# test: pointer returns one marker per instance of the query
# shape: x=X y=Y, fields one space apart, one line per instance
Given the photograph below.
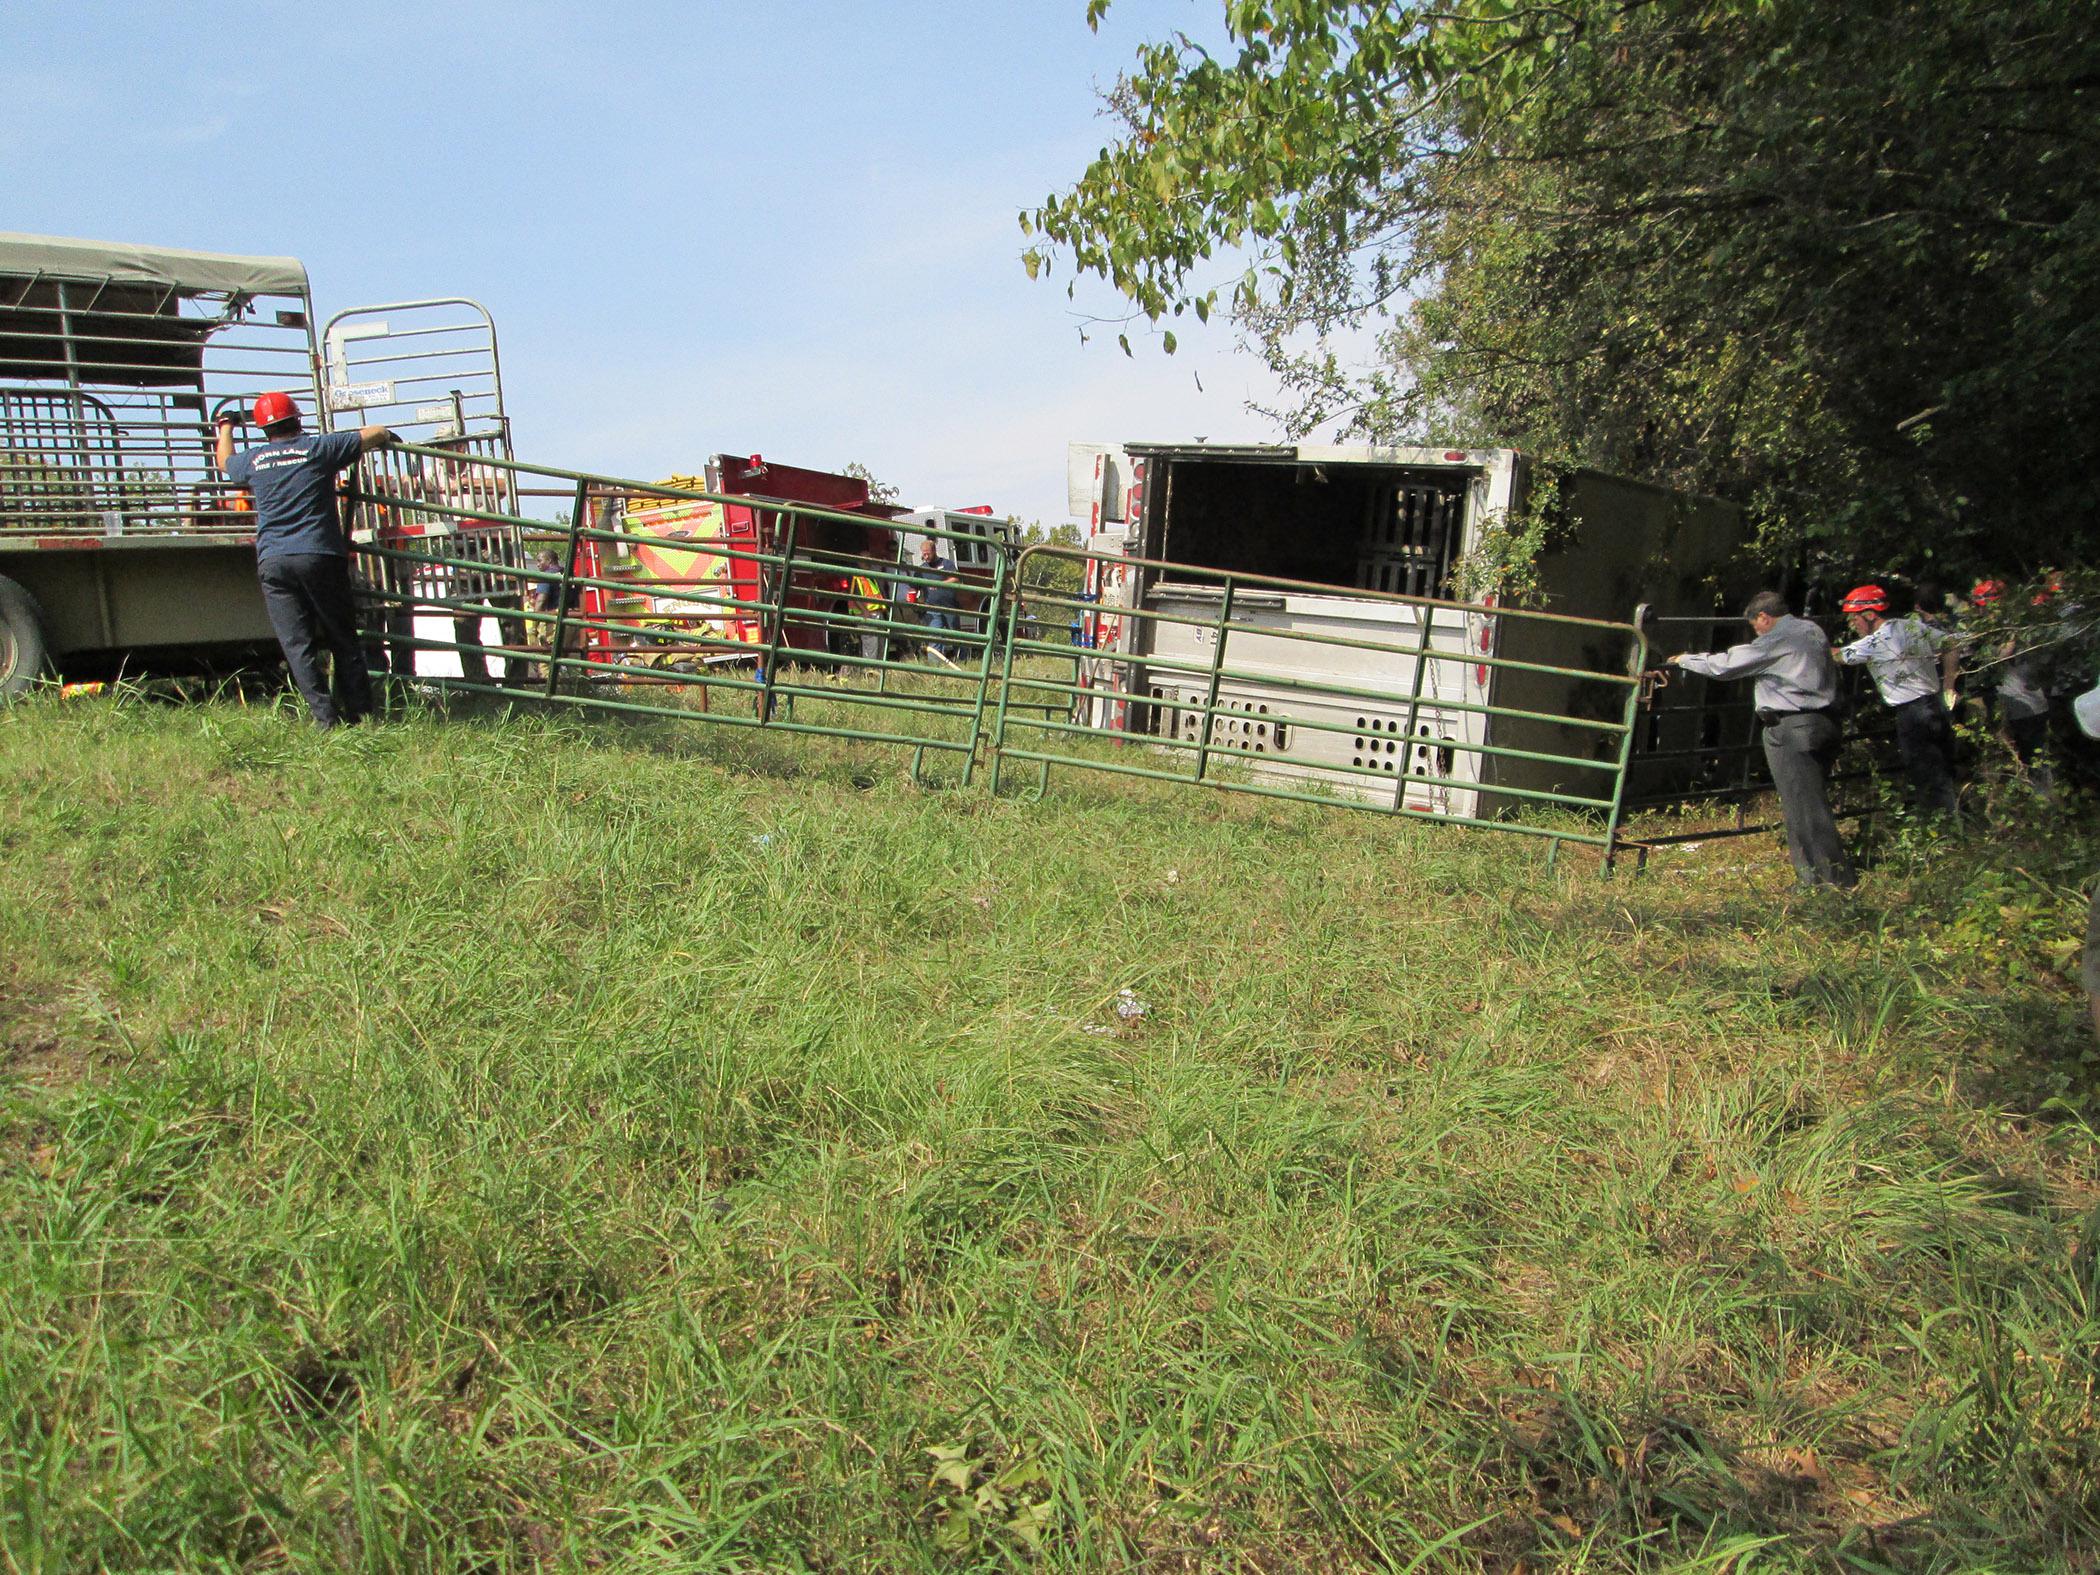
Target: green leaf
x=955 y=1532
x=1027 y=1472
x=951 y=1465
x=1030 y=1521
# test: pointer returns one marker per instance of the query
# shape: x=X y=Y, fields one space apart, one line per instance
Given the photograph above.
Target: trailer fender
x=25 y=653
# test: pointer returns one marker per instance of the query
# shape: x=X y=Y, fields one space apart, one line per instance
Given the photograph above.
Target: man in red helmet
x=301 y=555
x=1904 y=657
x=2020 y=702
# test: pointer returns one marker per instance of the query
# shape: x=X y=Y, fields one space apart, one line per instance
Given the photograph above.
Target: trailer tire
x=25 y=655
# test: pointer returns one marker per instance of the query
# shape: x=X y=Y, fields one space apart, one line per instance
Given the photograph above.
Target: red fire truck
x=687 y=581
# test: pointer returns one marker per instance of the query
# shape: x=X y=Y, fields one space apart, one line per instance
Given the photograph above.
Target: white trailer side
x=1393 y=520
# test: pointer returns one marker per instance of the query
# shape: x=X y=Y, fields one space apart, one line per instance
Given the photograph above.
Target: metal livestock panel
x=1254 y=684
x=731 y=636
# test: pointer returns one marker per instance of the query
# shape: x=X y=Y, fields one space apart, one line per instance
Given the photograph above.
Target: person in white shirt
x=2017 y=697
x=1904 y=657
x=2086 y=709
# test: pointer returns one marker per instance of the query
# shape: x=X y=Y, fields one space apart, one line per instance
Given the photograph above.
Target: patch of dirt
x=321 y=1384
x=35 y=1045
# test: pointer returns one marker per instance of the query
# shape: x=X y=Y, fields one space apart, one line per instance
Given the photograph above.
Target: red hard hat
x=1984 y=592
x=273 y=407
x=1865 y=598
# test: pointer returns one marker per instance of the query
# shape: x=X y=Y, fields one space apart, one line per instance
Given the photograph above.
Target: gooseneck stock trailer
x=121 y=548
x=118 y=545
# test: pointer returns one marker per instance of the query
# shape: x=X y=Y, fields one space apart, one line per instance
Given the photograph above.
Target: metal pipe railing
x=1514 y=719
x=1396 y=685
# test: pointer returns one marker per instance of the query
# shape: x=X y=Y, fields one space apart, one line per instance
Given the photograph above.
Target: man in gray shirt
x=1796 y=691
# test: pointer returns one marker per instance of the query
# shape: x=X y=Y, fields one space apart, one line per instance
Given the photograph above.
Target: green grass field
x=520 y=1143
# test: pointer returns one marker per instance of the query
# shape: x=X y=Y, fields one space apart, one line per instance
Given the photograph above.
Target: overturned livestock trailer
x=1296 y=614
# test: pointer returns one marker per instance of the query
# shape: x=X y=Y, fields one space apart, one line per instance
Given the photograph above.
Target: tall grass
x=521 y=1143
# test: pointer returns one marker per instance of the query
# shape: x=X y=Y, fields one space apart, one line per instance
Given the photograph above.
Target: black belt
x=1768 y=717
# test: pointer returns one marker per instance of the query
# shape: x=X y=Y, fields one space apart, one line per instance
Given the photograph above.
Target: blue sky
x=777 y=228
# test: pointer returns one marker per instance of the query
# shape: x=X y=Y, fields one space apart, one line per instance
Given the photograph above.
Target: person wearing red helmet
x=302 y=557
x=1904 y=657
x=1795 y=695
x=2017 y=696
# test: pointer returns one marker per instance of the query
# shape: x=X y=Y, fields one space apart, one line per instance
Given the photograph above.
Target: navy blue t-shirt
x=940 y=596
x=293 y=484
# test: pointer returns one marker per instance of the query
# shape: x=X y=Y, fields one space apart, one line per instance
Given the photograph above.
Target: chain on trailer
x=651 y=599
x=111 y=381
x=1467 y=714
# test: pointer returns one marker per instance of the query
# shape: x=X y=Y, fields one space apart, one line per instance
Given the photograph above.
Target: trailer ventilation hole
x=1247 y=728
x=1379 y=738
x=1433 y=757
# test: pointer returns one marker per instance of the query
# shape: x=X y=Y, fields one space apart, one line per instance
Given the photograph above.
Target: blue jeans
x=937 y=620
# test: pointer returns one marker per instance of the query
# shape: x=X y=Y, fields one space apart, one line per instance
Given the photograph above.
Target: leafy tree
x=879 y=491
x=1053 y=574
x=1842 y=264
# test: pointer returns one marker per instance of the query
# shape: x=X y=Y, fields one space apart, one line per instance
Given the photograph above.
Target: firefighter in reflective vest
x=869 y=601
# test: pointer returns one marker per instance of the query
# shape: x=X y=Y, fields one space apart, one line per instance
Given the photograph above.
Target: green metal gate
x=487 y=575
x=1476 y=715
x=640 y=598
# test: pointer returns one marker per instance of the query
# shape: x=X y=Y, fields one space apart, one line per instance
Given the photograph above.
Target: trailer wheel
x=24 y=653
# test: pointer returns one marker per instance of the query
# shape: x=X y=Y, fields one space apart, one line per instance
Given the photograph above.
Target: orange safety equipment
x=274 y=407
x=1865 y=598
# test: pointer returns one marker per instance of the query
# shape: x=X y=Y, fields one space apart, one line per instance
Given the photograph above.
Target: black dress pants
x=1925 y=739
x=308 y=598
x=1800 y=749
